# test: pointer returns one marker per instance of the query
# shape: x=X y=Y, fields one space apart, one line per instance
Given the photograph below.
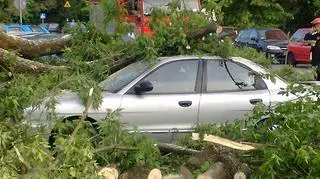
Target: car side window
x=174 y=77
x=226 y=76
x=253 y=34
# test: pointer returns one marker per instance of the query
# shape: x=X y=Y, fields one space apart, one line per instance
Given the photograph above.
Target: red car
x=298 y=52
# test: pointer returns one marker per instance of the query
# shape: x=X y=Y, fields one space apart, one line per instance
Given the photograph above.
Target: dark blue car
x=272 y=42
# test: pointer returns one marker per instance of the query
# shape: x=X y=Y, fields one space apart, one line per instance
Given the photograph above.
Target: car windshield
x=185 y=5
x=274 y=34
x=123 y=77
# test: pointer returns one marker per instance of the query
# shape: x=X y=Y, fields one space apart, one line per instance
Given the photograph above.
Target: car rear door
x=173 y=104
x=230 y=90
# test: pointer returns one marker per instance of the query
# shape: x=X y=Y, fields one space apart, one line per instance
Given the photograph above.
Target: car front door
x=301 y=52
x=173 y=103
x=230 y=91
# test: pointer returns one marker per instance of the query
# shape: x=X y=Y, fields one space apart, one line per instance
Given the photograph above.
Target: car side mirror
x=144 y=86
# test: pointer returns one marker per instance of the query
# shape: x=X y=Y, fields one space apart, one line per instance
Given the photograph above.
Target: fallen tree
x=33 y=48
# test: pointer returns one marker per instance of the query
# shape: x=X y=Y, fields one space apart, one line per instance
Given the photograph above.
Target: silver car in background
x=176 y=93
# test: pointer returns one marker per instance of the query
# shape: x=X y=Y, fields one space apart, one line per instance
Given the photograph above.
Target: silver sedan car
x=176 y=93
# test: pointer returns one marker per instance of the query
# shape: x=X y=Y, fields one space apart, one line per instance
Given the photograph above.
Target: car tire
x=54 y=131
x=291 y=60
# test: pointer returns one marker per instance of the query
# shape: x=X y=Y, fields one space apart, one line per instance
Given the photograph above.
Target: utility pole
x=20 y=11
x=20 y=5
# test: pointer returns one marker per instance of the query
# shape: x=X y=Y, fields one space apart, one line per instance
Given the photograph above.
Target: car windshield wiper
x=239 y=84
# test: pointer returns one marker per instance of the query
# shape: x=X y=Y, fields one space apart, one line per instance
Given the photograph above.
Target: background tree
x=255 y=13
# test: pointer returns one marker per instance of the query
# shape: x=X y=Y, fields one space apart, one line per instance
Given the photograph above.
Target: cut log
x=173 y=177
x=33 y=48
x=165 y=147
x=136 y=172
x=224 y=142
x=155 y=174
x=217 y=171
x=185 y=172
x=213 y=27
x=109 y=173
x=240 y=175
x=14 y=63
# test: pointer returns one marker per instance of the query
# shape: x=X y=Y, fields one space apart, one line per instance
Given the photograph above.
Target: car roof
x=261 y=29
x=304 y=29
x=244 y=61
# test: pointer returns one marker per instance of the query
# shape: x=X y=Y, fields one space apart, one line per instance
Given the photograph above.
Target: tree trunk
x=14 y=63
x=33 y=48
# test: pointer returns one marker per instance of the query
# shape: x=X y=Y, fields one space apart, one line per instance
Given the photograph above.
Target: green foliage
x=145 y=153
x=25 y=152
x=295 y=75
x=288 y=151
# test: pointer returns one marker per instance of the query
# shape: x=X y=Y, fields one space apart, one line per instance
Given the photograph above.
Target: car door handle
x=185 y=103
x=255 y=101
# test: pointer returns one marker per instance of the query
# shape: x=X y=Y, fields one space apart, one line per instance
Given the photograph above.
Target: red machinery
x=139 y=11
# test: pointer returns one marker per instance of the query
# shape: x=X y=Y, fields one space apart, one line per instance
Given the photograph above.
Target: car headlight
x=272 y=47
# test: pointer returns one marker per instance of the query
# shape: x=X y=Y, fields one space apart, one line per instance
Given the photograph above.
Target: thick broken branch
x=210 y=28
x=176 y=149
x=33 y=48
x=12 y=62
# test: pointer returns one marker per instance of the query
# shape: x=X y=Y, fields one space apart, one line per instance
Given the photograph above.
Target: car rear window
x=274 y=34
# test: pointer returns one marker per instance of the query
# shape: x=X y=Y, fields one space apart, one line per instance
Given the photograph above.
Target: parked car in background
x=22 y=31
x=51 y=27
x=13 y=29
x=298 y=52
x=174 y=94
x=272 y=42
x=229 y=31
x=69 y=26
